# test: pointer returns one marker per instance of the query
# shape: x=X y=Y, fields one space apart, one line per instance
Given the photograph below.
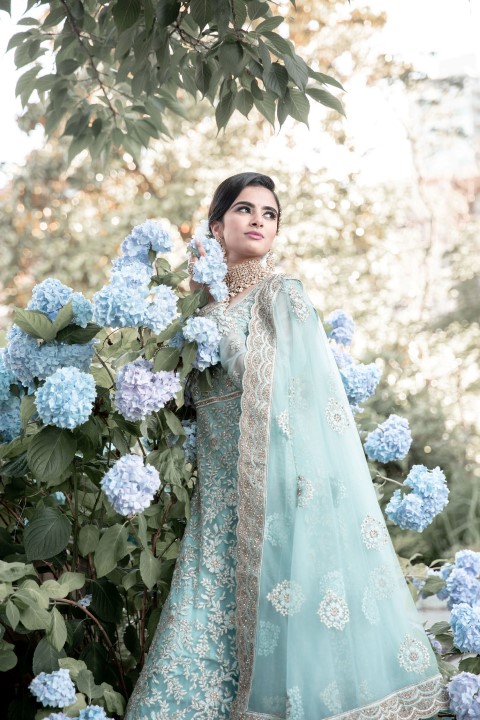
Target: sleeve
x=232 y=355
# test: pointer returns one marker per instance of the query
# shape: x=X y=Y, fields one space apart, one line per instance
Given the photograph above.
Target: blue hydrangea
x=82 y=309
x=416 y=510
x=444 y=573
x=360 y=382
x=59 y=497
x=342 y=358
x=130 y=271
x=29 y=358
x=206 y=334
x=140 y=391
x=66 y=399
x=190 y=442
x=130 y=485
x=342 y=327
x=54 y=689
x=464 y=693
x=57 y=716
x=391 y=440
x=121 y=303
x=7 y=378
x=162 y=310
x=177 y=341
x=150 y=235
x=211 y=268
x=409 y=512
x=85 y=601
x=92 y=712
x=462 y=587
x=10 y=423
x=49 y=297
x=429 y=484
x=465 y=622
x=469 y=560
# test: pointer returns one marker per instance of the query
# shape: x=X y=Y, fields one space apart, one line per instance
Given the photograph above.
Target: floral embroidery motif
x=370 y=607
x=331 y=697
x=268 y=637
x=413 y=655
x=300 y=307
x=382 y=581
x=333 y=611
x=333 y=581
x=373 y=532
x=294 y=704
x=283 y=423
x=287 y=597
x=235 y=343
x=275 y=530
x=336 y=415
x=305 y=491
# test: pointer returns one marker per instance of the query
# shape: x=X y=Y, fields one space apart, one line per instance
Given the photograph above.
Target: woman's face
x=249 y=225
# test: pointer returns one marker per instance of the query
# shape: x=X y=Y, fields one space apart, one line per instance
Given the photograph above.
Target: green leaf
x=88 y=538
x=57 y=632
x=326 y=98
x=13 y=614
x=277 y=44
x=167 y=358
x=46 y=658
x=132 y=643
x=167 y=12
x=244 y=102
x=324 y=79
x=200 y=11
x=299 y=105
x=188 y=304
x=470 y=664
x=257 y=9
x=72 y=581
x=6 y=6
x=297 y=70
x=11 y=571
x=203 y=75
x=8 y=659
x=230 y=56
x=35 y=618
x=18 y=39
x=34 y=323
x=26 y=84
x=224 y=110
x=276 y=79
x=114 y=701
x=107 y=602
x=126 y=13
x=73 y=666
x=47 y=534
x=50 y=452
x=86 y=684
x=27 y=409
x=112 y=547
x=173 y=422
x=63 y=318
x=266 y=106
x=239 y=12
x=189 y=353
x=270 y=23
x=150 y=568
x=54 y=590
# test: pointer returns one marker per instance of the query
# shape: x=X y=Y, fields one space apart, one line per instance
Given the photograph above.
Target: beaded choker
x=248 y=273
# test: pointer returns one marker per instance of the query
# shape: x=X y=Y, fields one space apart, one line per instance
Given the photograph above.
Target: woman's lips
x=255 y=235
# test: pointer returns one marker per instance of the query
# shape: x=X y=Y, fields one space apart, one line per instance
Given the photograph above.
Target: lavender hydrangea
x=54 y=689
x=468 y=560
x=464 y=693
x=462 y=587
x=7 y=378
x=66 y=399
x=207 y=336
x=130 y=485
x=211 y=268
x=10 y=423
x=92 y=712
x=121 y=303
x=342 y=327
x=465 y=622
x=162 y=310
x=360 y=382
x=429 y=496
x=140 y=391
x=28 y=358
x=150 y=235
x=391 y=440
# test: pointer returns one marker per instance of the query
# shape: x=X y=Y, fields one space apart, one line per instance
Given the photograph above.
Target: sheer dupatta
x=326 y=627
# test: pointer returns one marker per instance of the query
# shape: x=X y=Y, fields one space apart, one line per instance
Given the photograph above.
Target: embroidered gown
x=287 y=600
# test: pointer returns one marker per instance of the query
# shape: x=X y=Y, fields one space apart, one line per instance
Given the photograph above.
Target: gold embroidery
x=300 y=307
x=218 y=398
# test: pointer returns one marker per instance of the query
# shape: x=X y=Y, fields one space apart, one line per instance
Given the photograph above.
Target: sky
x=439 y=36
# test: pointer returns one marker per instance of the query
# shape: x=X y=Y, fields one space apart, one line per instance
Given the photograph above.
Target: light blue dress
x=287 y=601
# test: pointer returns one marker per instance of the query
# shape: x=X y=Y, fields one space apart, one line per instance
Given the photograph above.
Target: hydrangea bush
x=97 y=459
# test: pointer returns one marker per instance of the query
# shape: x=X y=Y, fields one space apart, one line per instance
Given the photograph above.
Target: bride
x=287 y=599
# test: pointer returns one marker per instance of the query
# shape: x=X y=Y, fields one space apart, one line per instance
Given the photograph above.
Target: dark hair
x=230 y=188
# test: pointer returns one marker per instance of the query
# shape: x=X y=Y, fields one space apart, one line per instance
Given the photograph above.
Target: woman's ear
x=215 y=227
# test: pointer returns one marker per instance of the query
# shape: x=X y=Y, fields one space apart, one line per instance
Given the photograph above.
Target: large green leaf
x=45 y=657
x=57 y=632
x=50 y=452
x=150 y=568
x=73 y=334
x=107 y=602
x=85 y=683
x=88 y=539
x=34 y=323
x=167 y=12
x=47 y=534
x=166 y=359
x=112 y=547
x=126 y=13
x=326 y=98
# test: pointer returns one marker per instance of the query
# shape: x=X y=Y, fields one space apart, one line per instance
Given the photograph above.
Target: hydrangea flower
x=429 y=496
x=131 y=271
x=54 y=689
x=408 y=512
x=464 y=692
x=130 y=485
x=82 y=309
x=211 y=268
x=121 y=303
x=28 y=358
x=10 y=423
x=49 y=297
x=85 y=601
x=465 y=622
x=444 y=573
x=140 y=391
x=189 y=444
x=342 y=327
x=59 y=497
x=7 y=378
x=207 y=336
x=92 y=712
x=360 y=382
x=177 y=341
x=462 y=587
x=391 y=440
x=342 y=359
x=57 y=716
x=469 y=560
x=66 y=399
x=162 y=310
x=150 y=235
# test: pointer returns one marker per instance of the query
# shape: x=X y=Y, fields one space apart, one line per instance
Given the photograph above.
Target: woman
x=287 y=599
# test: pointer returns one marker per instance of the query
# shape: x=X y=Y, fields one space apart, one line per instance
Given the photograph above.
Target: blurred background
x=381 y=214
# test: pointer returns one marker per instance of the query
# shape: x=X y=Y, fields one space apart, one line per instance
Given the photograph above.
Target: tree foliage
x=121 y=69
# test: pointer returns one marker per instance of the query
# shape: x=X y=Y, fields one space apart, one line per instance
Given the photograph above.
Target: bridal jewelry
x=248 y=273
